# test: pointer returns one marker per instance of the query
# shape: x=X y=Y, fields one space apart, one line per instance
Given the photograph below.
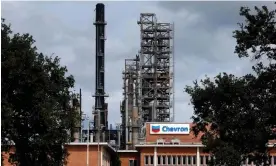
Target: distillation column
x=76 y=104
x=135 y=111
x=130 y=110
x=100 y=112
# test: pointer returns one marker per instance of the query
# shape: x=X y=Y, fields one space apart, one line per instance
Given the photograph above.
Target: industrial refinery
x=147 y=134
x=147 y=84
x=148 y=81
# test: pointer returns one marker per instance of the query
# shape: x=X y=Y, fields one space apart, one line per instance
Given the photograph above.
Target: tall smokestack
x=100 y=119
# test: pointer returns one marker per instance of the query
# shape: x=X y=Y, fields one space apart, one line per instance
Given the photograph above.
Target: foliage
x=115 y=160
x=258 y=31
x=259 y=35
x=36 y=110
x=237 y=114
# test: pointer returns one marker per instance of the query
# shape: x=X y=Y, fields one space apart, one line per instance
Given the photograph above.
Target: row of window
x=187 y=160
x=176 y=160
x=272 y=161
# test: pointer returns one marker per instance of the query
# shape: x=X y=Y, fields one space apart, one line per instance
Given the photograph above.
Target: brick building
x=83 y=154
x=170 y=144
x=166 y=144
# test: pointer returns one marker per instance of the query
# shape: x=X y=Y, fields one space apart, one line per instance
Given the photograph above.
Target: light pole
x=85 y=117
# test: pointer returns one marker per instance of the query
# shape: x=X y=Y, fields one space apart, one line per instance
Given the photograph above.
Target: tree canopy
x=37 y=114
x=237 y=114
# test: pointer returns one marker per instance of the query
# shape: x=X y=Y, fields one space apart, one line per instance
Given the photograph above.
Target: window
x=184 y=159
x=201 y=160
x=158 y=159
x=178 y=160
x=189 y=159
x=132 y=162
x=173 y=160
x=169 y=159
x=163 y=159
x=146 y=159
x=194 y=160
x=151 y=160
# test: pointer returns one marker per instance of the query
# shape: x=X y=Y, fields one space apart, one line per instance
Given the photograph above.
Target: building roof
x=127 y=151
x=191 y=145
x=105 y=144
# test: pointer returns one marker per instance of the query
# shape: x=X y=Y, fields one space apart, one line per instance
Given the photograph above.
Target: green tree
x=36 y=112
x=237 y=114
x=115 y=160
x=259 y=36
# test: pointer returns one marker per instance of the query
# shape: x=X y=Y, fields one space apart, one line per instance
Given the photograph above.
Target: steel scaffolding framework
x=155 y=65
x=148 y=79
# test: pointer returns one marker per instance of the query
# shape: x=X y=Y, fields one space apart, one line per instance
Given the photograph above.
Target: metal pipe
x=81 y=133
x=99 y=131
x=87 y=153
x=173 y=79
x=134 y=126
x=126 y=113
x=119 y=135
x=80 y=117
x=98 y=153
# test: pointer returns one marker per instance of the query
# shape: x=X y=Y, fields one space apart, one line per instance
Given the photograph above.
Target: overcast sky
x=203 y=41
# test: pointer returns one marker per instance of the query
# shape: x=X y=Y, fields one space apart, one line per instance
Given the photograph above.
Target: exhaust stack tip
x=100 y=12
x=99 y=5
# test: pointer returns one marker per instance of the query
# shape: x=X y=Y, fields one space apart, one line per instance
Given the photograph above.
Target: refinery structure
x=100 y=109
x=147 y=134
x=148 y=90
x=148 y=81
